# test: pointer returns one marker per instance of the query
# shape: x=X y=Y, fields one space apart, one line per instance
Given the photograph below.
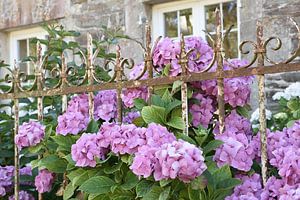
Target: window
x=193 y=16
x=21 y=47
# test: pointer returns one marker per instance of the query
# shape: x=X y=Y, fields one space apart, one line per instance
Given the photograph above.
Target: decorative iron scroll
x=16 y=80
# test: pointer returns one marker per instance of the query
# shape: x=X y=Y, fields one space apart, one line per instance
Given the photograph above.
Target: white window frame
x=15 y=36
x=198 y=20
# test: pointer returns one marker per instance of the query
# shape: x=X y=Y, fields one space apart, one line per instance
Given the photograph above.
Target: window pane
x=230 y=14
x=22 y=49
x=186 y=27
x=171 y=24
x=210 y=18
x=231 y=45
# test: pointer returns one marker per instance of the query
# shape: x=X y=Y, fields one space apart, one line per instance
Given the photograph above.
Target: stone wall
x=274 y=16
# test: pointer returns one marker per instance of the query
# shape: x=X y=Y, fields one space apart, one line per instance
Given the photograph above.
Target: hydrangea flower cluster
x=179 y=159
x=283 y=152
x=6 y=177
x=155 y=148
x=202 y=111
x=129 y=94
x=76 y=118
x=71 y=123
x=276 y=189
x=167 y=53
x=44 y=180
x=30 y=134
x=86 y=149
x=167 y=158
x=237 y=150
x=23 y=195
x=106 y=105
x=236 y=90
x=250 y=189
x=130 y=117
x=289 y=92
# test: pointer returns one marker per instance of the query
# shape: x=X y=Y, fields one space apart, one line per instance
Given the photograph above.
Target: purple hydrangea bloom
x=128 y=139
x=157 y=135
x=23 y=195
x=30 y=134
x=137 y=71
x=79 y=103
x=6 y=174
x=202 y=111
x=106 y=105
x=283 y=152
x=44 y=181
x=129 y=94
x=144 y=161
x=236 y=90
x=86 y=149
x=237 y=150
x=71 y=123
x=272 y=189
x=179 y=159
x=131 y=116
x=106 y=133
x=166 y=53
x=201 y=57
x=249 y=189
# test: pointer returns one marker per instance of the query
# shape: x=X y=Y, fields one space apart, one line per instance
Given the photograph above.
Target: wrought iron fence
x=90 y=83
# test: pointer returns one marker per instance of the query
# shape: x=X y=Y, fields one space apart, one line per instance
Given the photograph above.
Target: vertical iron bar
x=261 y=99
x=16 y=129
x=184 y=89
x=38 y=71
x=90 y=68
x=118 y=72
x=148 y=60
x=220 y=81
x=64 y=81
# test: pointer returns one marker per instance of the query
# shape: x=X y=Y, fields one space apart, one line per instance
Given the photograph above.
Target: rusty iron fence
x=89 y=82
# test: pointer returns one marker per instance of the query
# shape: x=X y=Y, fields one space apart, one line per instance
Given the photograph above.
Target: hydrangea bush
x=148 y=157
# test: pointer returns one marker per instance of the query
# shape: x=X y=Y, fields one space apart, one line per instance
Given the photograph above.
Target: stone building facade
x=89 y=15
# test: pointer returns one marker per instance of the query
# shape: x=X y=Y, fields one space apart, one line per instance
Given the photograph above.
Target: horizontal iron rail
x=277 y=68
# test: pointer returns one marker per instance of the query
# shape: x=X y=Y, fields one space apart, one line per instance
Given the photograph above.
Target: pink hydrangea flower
x=180 y=160
x=130 y=117
x=157 y=135
x=166 y=53
x=237 y=150
x=106 y=105
x=272 y=189
x=129 y=94
x=86 y=149
x=44 y=180
x=30 y=134
x=23 y=195
x=128 y=139
x=201 y=57
x=202 y=112
x=79 y=103
x=71 y=123
x=144 y=161
x=249 y=189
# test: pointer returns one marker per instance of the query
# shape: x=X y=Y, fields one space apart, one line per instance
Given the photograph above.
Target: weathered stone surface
x=15 y=13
